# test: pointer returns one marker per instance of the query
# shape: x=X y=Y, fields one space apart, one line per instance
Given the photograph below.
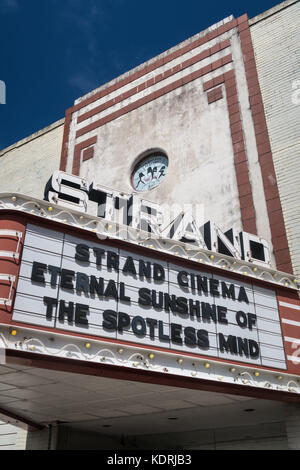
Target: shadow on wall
x=268 y=436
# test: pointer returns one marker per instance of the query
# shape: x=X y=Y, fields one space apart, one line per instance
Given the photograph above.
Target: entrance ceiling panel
x=116 y=406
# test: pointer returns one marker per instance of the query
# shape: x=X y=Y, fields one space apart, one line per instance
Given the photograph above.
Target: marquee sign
x=65 y=293
x=74 y=192
x=71 y=284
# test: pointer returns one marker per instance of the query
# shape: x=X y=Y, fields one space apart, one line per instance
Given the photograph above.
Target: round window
x=150 y=172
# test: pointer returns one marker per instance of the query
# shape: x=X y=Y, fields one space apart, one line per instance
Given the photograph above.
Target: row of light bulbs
x=180 y=361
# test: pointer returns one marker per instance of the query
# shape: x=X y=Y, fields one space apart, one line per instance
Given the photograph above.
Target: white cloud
x=86 y=17
x=82 y=82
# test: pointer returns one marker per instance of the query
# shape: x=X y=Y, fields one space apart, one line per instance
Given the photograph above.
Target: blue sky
x=53 y=51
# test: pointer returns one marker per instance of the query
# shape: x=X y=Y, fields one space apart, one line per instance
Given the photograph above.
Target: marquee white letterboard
x=245 y=330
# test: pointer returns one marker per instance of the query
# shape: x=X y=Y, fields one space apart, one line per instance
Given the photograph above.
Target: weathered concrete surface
x=195 y=136
x=197 y=140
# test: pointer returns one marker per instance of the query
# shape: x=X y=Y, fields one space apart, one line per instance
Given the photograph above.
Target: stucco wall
x=201 y=168
x=196 y=135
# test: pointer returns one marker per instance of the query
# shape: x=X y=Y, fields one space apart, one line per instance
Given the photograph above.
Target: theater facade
x=149 y=255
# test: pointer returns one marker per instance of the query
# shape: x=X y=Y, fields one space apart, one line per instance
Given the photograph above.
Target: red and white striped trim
x=289 y=305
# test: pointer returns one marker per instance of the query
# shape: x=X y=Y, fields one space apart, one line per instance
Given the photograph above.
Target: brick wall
x=276 y=40
x=27 y=165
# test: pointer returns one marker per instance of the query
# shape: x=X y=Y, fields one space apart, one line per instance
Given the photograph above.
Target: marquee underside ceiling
x=116 y=407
